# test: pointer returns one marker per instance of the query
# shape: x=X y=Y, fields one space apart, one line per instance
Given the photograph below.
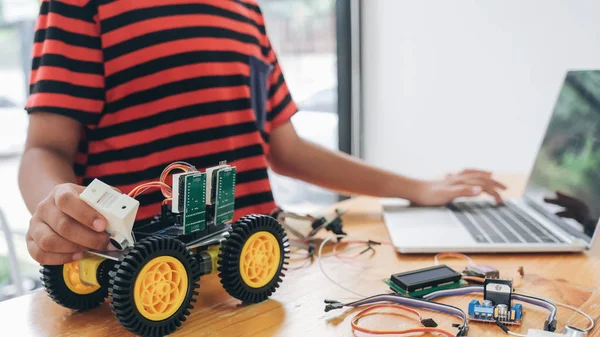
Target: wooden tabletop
x=296 y=309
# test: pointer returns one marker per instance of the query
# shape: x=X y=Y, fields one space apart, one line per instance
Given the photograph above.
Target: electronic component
x=496 y=304
x=424 y=278
x=482 y=270
x=429 y=323
x=225 y=194
x=211 y=182
x=425 y=291
x=498 y=291
x=549 y=324
x=118 y=209
x=179 y=192
x=299 y=224
x=501 y=311
x=332 y=223
x=191 y=237
x=483 y=312
x=194 y=211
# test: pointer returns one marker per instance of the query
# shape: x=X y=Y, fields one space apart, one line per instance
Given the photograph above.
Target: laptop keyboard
x=490 y=223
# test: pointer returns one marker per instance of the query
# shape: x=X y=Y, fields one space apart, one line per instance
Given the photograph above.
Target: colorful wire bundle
x=404 y=309
x=146 y=186
x=406 y=301
x=178 y=165
x=164 y=187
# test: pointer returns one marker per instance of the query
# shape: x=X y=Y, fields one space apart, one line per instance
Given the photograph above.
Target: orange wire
x=143 y=187
x=146 y=185
x=474 y=279
x=163 y=176
x=364 y=312
x=436 y=259
x=164 y=187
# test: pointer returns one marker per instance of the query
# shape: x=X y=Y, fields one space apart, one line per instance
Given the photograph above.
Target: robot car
x=151 y=281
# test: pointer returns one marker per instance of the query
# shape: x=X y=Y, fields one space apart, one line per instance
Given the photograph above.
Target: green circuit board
x=225 y=198
x=194 y=212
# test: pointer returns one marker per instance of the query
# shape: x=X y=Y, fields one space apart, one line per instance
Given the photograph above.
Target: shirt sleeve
x=67 y=75
x=280 y=105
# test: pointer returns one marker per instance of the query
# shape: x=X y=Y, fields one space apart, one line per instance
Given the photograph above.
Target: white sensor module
x=118 y=209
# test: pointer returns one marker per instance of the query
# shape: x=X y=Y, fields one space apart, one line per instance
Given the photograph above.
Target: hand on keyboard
x=468 y=183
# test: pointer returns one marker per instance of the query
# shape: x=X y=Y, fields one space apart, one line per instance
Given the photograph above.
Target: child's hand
x=468 y=183
x=63 y=226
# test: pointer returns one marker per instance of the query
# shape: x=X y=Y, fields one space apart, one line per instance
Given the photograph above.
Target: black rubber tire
x=123 y=277
x=54 y=284
x=231 y=249
x=103 y=274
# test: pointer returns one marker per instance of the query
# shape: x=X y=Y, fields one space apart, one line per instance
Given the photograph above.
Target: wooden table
x=296 y=309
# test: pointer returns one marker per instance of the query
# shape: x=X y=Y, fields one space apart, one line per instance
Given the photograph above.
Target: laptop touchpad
x=425 y=227
x=420 y=217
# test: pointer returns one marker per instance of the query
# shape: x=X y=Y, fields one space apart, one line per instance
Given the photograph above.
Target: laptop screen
x=565 y=181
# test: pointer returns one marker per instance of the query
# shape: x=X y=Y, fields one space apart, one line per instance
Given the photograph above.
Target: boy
x=120 y=89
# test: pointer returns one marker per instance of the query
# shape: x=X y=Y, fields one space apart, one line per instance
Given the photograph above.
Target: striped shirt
x=157 y=81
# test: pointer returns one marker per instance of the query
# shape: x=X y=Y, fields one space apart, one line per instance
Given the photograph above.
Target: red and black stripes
x=75 y=9
x=157 y=81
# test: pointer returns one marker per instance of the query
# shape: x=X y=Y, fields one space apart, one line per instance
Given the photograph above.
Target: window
x=17 y=20
x=303 y=35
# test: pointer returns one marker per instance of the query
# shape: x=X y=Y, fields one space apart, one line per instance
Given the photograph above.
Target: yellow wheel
x=260 y=259
x=160 y=288
x=252 y=258
x=64 y=286
x=152 y=286
x=73 y=281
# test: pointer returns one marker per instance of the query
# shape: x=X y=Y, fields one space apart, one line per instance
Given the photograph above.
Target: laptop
x=559 y=209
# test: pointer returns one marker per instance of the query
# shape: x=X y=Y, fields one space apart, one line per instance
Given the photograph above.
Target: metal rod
x=15 y=272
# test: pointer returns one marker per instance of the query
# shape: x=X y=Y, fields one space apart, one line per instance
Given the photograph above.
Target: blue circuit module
x=488 y=312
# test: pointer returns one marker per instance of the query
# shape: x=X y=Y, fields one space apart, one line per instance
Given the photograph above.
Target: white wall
x=451 y=84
